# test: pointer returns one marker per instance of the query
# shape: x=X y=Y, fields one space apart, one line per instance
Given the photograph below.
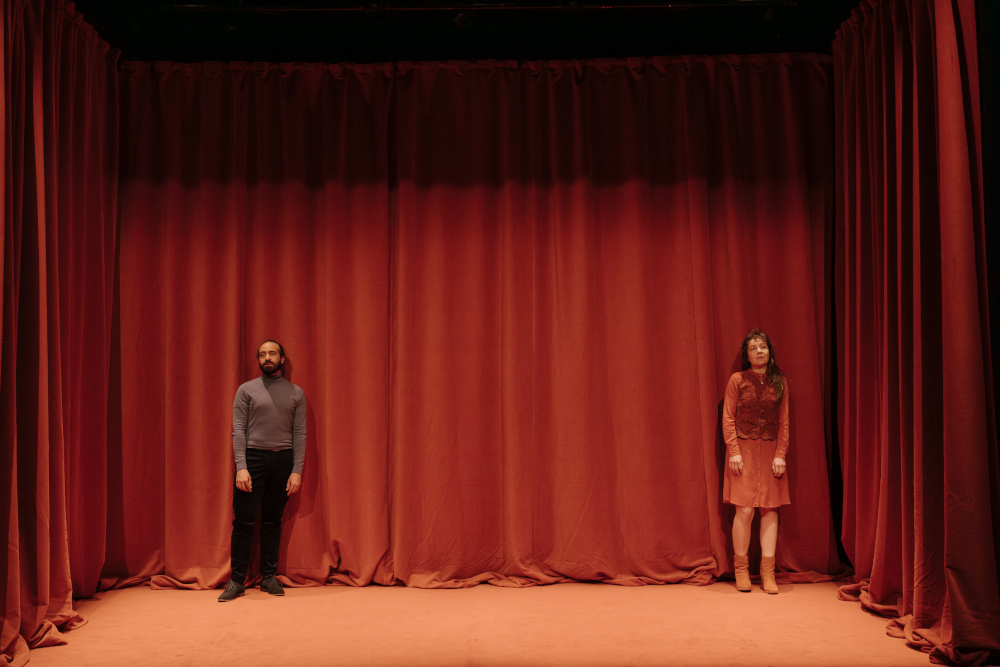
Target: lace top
x=751 y=411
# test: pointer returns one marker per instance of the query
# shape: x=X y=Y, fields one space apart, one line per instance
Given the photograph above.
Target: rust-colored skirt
x=757 y=486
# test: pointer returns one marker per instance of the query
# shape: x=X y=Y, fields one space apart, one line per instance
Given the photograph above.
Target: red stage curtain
x=513 y=294
x=921 y=494
x=255 y=204
x=60 y=181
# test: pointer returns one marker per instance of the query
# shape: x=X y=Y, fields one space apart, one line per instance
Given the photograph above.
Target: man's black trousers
x=269 y=471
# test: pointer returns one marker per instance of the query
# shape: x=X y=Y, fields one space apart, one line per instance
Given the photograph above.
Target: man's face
x=269 y=357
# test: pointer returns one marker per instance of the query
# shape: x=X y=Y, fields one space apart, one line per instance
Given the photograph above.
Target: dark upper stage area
x=386 y=30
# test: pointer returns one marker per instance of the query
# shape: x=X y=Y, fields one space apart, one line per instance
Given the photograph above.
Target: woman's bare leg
x=741 y=530
x=768 y=531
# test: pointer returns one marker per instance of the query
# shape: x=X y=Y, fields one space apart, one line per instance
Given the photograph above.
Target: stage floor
x=564 y=624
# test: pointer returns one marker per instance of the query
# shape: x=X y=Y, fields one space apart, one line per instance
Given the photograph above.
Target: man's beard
x=270 y=370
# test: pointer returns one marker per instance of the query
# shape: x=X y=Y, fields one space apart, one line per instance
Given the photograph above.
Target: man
x=269 y=443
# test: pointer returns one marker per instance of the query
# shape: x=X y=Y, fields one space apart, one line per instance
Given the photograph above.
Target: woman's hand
x=736 y=464
x=778 y=467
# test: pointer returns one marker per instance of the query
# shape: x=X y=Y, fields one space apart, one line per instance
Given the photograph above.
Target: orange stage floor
x=564 y=624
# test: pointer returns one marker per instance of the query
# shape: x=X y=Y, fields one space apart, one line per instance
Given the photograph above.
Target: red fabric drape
x=254 y=205
x=512 y=293
x=921 y=495
x=580 y=249
x=60 y=181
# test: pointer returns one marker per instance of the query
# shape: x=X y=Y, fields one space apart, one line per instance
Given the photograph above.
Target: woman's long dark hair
x=773 y=373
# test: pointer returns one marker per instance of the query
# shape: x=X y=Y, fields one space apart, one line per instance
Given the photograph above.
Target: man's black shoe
x=233 y=591
x=271 y=585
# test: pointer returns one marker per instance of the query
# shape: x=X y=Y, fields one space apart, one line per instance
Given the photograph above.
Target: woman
x=755 y=426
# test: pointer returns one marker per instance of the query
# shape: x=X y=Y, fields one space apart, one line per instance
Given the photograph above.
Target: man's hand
x=243 y=480
x=294 y=482
x=736 y=464
x=778 y=467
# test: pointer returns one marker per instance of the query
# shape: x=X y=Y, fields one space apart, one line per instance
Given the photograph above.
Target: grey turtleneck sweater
x=269 y=413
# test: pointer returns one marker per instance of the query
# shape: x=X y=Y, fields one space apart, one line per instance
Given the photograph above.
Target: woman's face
x=757 y=353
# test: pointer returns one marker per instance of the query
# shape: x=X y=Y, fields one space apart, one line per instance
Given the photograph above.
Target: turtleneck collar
x=271 y=379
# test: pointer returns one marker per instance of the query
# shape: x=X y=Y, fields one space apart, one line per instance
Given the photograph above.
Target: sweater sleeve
x=241 y=409
x=299 y=433
x=782 y=447
x=729 y=415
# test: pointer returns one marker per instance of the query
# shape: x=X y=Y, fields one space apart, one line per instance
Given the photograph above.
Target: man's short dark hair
x=281 y=350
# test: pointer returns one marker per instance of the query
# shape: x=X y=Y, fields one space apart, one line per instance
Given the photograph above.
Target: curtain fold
x=918 y=431
x=60 y=192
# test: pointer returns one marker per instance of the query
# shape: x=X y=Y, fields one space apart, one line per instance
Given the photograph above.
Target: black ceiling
x=383 y=30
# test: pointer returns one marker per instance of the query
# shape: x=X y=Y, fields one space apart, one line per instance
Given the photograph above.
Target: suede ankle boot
x=741 y=567
x=767 y=582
